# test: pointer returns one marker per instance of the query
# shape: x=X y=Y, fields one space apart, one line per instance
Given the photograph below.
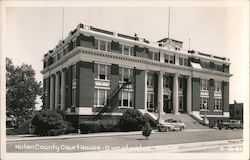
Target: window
x=100 y=97
x=204 y=85
x=102 y=71
x=150 y=80
x=203 y=103
x=74 y=43
x=127 y=50
x=125 y=74
x=126 y=99
x=59 y=55
x=217 y=104
x=73 y=96
x=166 y=82
x=150 y=101
x=169 y=58
x=181 y=103
x=217 y=86
x=66 y=50
x=180 y=84
x=183 y=61
x=74 y=72
x=154 y=55
x=102 y=45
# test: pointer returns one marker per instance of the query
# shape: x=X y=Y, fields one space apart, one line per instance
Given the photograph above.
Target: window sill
x=217 y=110
x=203 y=110
x=95 y=106
x=104 y=80
x=122 y=107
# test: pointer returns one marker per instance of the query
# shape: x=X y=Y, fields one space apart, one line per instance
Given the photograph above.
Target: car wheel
x=181 y=128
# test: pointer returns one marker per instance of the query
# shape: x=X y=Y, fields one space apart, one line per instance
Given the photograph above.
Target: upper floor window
x=126 y=74
x=59 y=55
x=204 y=85
x=74 y=72
x=180 y=84
x=102 y=71
x=217 y=86
x=166 y=82
x=127 y=50
x=183 y=61
x=66 y=49
x=74 y=42
x=154 y=55
x=169 y=58
x=150 y=80
x=102 y=45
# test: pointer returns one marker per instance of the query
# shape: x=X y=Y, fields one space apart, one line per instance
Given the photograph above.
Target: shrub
x=89 y=127
x=132 y=120
x=146 y=130
x=98 y=126
x=48 y=123
x=70 y=128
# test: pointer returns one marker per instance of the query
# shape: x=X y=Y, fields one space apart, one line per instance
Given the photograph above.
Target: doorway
x=167 y=108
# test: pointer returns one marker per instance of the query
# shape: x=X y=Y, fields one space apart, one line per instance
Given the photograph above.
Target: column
x=63 y=84
x=160 y=92
x=52 y=97
x=146 y=90
x=175 y=94
x=189 y=95
x=57 y=90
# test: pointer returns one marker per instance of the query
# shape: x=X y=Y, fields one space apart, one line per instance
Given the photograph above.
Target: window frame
x=97 y=96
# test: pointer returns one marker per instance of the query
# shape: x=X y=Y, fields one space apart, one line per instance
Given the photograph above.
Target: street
x=120 y=142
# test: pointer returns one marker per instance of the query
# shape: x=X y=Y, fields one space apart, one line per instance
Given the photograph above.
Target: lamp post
x=205 y=113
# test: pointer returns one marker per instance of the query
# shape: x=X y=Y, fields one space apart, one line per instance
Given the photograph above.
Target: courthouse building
x=85 y=69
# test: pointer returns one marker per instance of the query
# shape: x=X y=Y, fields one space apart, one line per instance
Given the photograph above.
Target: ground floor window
x=203 y=103
x=150 y=102
x=126 y=99
x=217 y=104
x=181 y=103
x=100 y=97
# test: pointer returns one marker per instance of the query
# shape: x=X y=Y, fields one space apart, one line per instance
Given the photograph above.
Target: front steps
x=187 y=119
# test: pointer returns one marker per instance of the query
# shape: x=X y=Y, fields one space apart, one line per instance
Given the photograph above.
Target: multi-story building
x=84 y=71
x=236 y=111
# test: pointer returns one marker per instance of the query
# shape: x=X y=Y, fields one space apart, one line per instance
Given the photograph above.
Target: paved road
x=119 y=142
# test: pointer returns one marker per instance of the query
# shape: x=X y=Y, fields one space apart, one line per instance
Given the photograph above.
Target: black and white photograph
x=125 y=80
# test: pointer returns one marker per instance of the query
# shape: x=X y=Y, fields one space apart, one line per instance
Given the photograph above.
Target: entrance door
x=166 y=104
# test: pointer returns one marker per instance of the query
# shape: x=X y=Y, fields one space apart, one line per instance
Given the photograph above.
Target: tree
x=146 y=130
x=21 y=90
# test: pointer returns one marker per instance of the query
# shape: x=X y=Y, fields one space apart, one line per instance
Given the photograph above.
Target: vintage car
x=231 y=124
x=170 y=125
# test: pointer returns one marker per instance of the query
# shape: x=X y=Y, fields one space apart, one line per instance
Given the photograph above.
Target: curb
x=178 y=148
x=107 y=134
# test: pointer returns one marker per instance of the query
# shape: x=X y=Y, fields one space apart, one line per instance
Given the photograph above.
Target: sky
x=217 y=30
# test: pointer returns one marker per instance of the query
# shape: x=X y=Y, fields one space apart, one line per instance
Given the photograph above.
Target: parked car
x=231 y=124
x=170 y=125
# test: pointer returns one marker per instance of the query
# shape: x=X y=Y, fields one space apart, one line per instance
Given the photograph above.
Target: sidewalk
x=29 y=137
x=177 y=148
